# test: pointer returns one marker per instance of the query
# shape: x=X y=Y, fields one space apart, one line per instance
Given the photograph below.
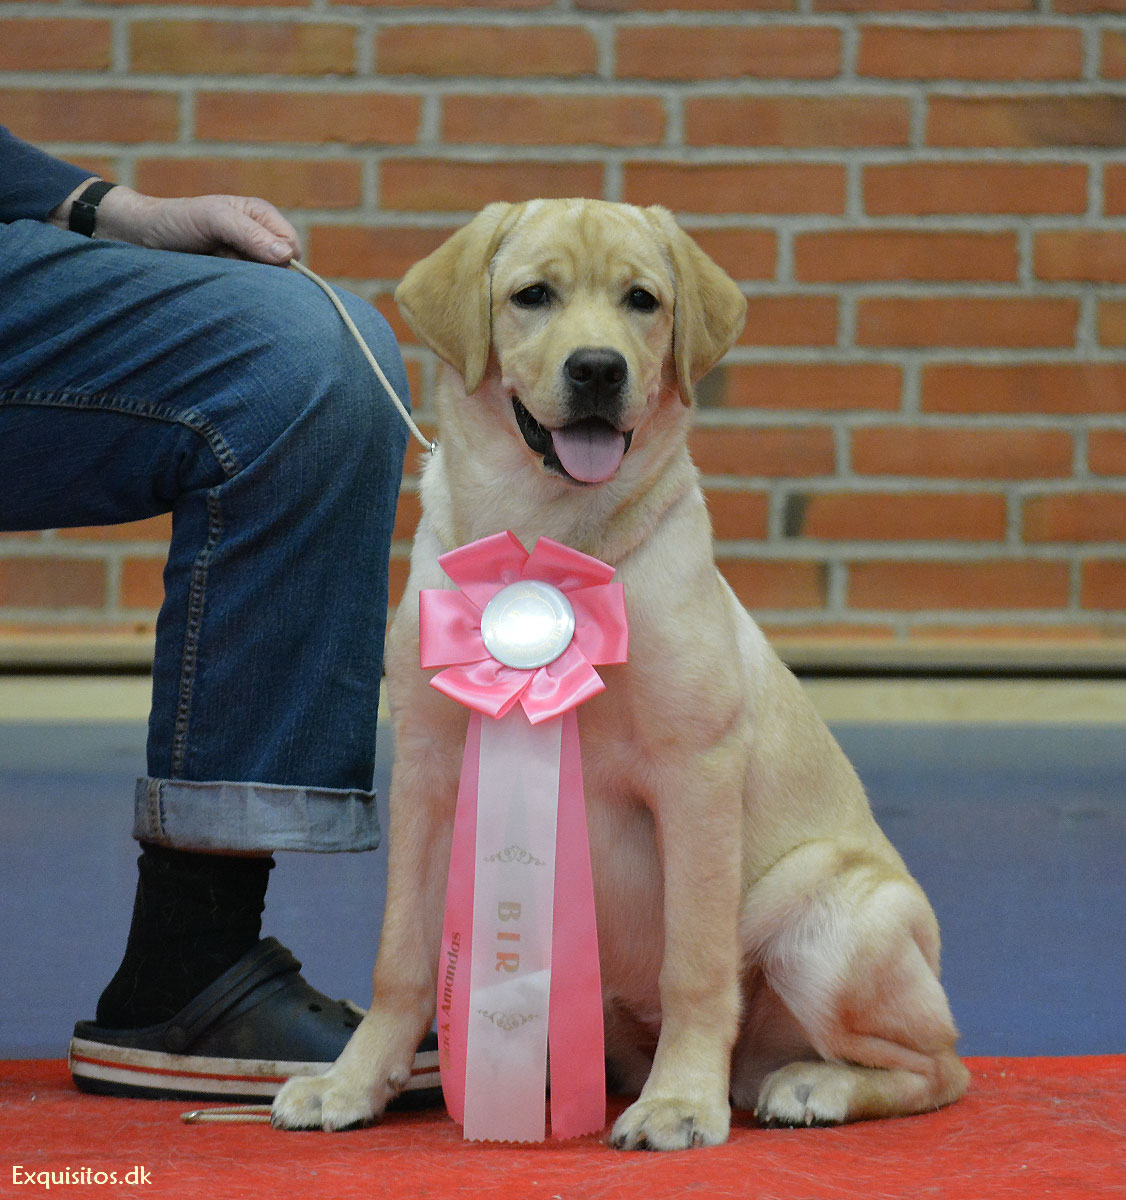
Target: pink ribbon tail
x=457 y=931
x=575 y=1030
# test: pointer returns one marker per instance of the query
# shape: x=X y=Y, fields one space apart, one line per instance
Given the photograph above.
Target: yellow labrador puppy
x=761 y=941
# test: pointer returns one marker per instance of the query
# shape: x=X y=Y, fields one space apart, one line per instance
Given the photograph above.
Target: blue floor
x=1018 y=835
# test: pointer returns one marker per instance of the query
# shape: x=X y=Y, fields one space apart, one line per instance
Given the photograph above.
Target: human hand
x=228 y=226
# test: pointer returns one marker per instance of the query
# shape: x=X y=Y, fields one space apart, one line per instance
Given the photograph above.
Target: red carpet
x=1037 y=1129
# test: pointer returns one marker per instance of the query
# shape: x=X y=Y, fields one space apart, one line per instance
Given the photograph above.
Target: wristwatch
x=84 y=211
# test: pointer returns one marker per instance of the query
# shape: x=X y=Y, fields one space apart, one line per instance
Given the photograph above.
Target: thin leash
x=237 y=1114
x=422 y=439
x=259 y=1114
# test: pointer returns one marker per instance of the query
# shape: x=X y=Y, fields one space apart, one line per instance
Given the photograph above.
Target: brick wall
x=922 y=433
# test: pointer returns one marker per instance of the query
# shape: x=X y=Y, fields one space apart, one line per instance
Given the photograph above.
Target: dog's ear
x=446 y=299
x=709 y=310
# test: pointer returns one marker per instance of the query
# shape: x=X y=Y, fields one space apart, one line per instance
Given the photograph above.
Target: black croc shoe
x=239 y=1040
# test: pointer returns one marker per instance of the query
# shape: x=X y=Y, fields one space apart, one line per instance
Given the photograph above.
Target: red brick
x=154 y=529
x=39 y=44
x=428 y=185
x=742 y=253
x=1106 y=452
x=354 y=119
x=399 y=570
x=1113 y=54
x=225 y=3
x=934 y=188
x=790 y=321
x=1090 y=6
x=1054 y=635
x=142 y=583
x=1068 y=388
x=52 y=583
x=407 y=515
x=936 y=6
x=737 y=515
x=831 y=387
x=789 y=637
x=738 y=188
x=615 y=6
x=554 y=120
x=755 y=451
x=855 y=255
x=360 y=252
x=1114 y=189
x=896 y=516
x=241 y=47
x=1011 y=52
x=1076 y=517
x=93 y=114
x=773 y=583
x=728 y=51
x=289 y=183
x=389 y=310
x=966 y=453
x=1096 y=120
x=1091 y=255
x=483 y=4
x=793 y=121
x=1104 y=585
x=1112 y=322
x=921 y=586
x=966 y=321
x=498 y=51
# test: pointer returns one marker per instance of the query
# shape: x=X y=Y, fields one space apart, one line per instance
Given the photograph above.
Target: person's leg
x=134 y=382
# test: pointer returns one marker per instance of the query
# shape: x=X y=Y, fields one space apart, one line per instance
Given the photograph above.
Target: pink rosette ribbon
x=518 y=976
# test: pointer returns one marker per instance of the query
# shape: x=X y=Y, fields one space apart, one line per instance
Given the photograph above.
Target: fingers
x=252 y=228
x=261 y=232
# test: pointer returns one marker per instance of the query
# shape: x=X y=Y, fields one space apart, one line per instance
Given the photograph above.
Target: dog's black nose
x=595 y=376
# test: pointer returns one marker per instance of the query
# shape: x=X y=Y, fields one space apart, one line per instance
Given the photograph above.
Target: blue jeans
x=136 y=382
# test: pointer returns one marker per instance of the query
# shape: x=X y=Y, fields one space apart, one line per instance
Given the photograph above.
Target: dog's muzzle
x=589 y=450
x=590 y=447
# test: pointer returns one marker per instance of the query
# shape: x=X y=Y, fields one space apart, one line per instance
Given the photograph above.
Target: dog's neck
x=482 y=482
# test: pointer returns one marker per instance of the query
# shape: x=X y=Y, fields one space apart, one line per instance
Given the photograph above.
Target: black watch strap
x=84 y=211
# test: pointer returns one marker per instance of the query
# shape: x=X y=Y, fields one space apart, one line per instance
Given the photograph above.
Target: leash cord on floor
x=253 y=1114
x=351 y=325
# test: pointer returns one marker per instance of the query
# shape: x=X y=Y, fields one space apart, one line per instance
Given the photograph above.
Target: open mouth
x=586 y=451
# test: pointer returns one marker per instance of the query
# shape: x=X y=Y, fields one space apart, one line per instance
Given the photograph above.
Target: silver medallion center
x=528 y=624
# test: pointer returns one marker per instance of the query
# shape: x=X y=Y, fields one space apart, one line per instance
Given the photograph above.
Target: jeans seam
x=107 y=402
x=196 y=595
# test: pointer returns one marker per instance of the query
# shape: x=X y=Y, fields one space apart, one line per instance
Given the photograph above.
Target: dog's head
x=584 y=315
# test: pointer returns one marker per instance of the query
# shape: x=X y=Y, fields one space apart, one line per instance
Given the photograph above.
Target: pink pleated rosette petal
x=521 y=772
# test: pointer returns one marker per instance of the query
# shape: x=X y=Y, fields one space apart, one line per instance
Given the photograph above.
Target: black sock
x=195 y=915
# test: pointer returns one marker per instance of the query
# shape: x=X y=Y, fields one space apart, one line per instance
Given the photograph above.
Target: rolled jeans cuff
x=253 y=817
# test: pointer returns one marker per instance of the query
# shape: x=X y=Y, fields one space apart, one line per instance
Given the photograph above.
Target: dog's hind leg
x=849 y=943
x=376 y=1063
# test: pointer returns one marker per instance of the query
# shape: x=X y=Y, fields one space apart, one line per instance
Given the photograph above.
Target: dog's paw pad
x=320 y=1102
x=804 y=1094
x=670 y=1124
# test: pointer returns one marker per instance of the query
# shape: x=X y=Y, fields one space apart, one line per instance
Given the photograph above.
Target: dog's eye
x=536 y=295
x=642 y=301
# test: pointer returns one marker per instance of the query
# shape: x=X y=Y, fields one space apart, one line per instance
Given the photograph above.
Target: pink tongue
x=590 y=452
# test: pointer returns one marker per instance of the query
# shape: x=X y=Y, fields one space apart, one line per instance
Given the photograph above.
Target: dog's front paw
x=671 y=1124
x=323 y=1102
